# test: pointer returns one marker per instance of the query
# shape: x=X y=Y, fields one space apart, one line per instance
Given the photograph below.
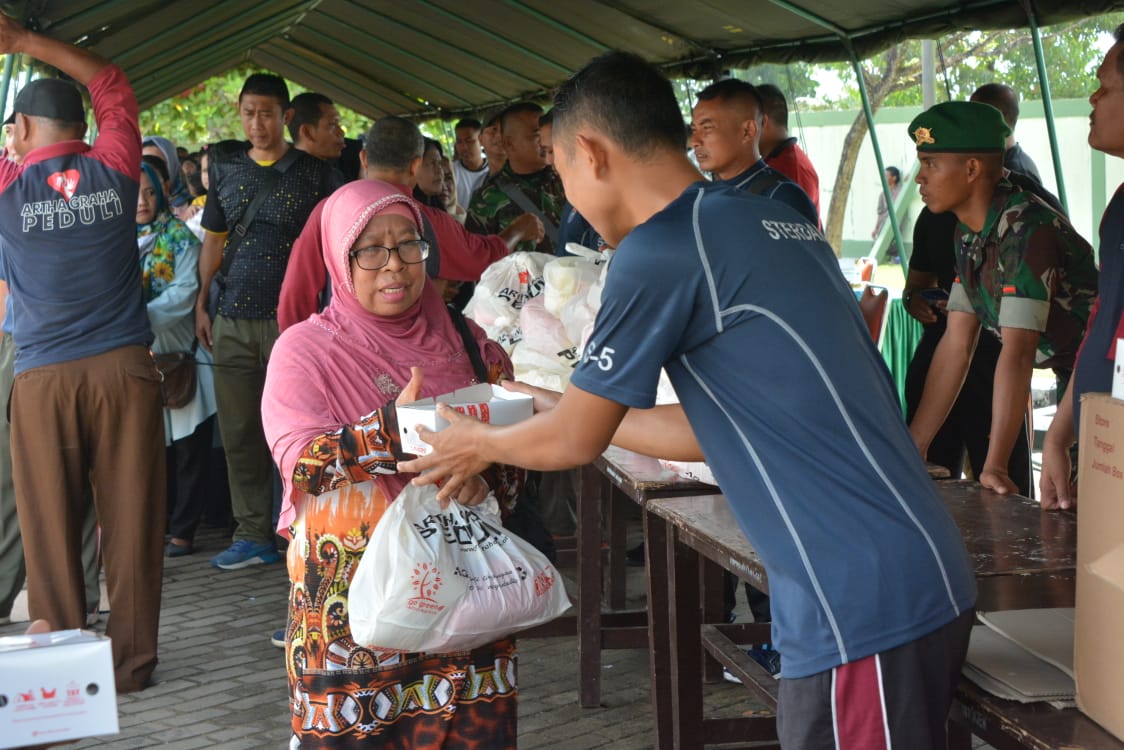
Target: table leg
x=958 y=737
x=712 y=586
x=659 y=644
x=685 y=639
x=589 y=588
x=617 y=523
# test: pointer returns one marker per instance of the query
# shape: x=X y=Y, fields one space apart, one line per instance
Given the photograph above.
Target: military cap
x=964 y=127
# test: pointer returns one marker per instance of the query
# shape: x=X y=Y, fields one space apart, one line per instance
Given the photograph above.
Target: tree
x=968 y=60
x=208 y=112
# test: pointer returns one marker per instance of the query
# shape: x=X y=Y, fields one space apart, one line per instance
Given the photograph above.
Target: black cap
x=49 y=97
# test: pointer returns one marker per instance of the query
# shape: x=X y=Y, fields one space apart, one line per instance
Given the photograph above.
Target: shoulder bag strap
x=470 y=344
x=519 y=198
x=433 y=260
x=247 y=218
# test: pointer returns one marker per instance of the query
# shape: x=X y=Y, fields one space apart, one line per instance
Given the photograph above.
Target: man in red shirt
x=392 y=153
x=780 y=149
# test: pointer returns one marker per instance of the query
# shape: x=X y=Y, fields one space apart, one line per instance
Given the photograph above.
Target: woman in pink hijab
x=328 y=412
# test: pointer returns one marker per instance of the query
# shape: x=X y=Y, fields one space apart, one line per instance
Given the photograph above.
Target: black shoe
x=634 y=558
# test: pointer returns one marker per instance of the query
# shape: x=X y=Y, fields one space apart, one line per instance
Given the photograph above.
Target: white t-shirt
x=467 y=180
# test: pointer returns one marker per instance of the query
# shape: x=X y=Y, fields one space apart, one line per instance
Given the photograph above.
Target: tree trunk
x=843 y=177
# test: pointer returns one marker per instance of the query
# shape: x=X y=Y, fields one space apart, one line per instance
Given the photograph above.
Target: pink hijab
x=344 y=363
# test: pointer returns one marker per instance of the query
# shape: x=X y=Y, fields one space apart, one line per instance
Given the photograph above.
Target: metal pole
x=12 y=65
x=891 y=214
x=928 y=73
x=9 y=61
x=1047 y=105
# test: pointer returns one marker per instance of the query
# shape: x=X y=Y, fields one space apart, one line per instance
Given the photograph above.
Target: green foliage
x=1072 y=53
x=208 y=112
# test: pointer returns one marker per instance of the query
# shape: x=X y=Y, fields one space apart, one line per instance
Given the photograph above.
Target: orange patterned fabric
x=347 y=696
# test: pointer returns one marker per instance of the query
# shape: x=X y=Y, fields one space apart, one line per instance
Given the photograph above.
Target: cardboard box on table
x=1099 y=644
x=488 y=403
x=55 y=687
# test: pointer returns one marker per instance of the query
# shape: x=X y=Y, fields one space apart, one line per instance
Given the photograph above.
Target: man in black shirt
x=253 y=255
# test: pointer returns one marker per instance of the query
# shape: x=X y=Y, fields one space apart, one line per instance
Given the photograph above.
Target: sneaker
x=278 y=638
x=768 y=657
x=174 y=549
x=764 y=655
x=245 y=553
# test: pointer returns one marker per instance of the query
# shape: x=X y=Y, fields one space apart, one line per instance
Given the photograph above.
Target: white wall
x=823 y=133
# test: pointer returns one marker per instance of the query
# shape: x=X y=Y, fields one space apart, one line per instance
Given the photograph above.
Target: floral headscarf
x=158 y=243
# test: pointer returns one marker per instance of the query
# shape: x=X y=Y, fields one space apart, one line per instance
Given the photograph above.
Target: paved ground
x=221 y=684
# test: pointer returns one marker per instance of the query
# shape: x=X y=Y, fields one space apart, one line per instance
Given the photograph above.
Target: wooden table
x=616 y=473
x=619 y=474
x=1008 y=725
x=1021 y=556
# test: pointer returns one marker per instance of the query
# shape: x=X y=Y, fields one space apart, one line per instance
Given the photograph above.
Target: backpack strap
x=238 y=233
x=519 y=198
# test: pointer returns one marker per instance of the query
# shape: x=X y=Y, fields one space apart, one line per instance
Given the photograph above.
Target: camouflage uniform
x=1028 y=268
x=491 y=210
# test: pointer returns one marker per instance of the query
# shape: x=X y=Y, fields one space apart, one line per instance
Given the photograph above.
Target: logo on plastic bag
x=426 y=581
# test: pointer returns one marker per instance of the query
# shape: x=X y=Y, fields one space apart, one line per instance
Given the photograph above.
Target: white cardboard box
x=1098 y=660
x=488 y=403
x=55 y=687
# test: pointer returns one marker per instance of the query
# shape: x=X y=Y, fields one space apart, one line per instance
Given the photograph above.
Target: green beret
x=965 y=127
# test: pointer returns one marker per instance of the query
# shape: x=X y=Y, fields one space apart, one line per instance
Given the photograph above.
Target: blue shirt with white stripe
x=741 y=300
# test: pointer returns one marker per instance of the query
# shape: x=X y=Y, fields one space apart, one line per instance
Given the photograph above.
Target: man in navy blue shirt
x=1093 y=371
x=725 y=135
x=784 y=395
x=85 y=406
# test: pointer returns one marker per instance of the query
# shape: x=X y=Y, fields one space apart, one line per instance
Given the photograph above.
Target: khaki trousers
x=94 y=423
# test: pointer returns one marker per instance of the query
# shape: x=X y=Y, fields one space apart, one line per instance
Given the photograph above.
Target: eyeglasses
x=374 y=257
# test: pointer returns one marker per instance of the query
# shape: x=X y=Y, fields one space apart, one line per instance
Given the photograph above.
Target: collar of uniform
x=975 y=242
x=747 y=174
x=62 y=148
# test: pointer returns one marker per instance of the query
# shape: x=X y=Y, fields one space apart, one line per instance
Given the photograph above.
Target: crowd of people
x=290 y=287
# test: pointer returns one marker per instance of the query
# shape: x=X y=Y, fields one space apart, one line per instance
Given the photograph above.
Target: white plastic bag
x=545 y=357
x=578 y=311
x=570 y=276
x=698 y=471
x=440 y=580
x=500 y=294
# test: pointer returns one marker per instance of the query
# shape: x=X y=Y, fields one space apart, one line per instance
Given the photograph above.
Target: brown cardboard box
x=1099 y=649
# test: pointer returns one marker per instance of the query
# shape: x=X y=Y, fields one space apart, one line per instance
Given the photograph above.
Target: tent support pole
x=9 y=67
x=1047 y=104
x=891 y=214
x=867 y=110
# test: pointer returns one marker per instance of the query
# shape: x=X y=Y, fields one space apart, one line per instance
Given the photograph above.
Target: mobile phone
x=933 y=295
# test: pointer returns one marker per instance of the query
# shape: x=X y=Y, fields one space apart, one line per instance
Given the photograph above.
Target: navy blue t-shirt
x=1093 y=373
x=761 y=179
x=69 y=230
x=572 y=227
x=741 y=300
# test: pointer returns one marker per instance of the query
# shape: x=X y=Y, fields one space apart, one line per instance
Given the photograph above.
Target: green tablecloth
x=898 y=342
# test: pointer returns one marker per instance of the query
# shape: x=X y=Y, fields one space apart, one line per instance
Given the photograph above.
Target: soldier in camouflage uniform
x=526 y=177
x=1024 y=274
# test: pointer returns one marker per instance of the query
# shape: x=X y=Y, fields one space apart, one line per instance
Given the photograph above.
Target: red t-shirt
x=791 y=161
